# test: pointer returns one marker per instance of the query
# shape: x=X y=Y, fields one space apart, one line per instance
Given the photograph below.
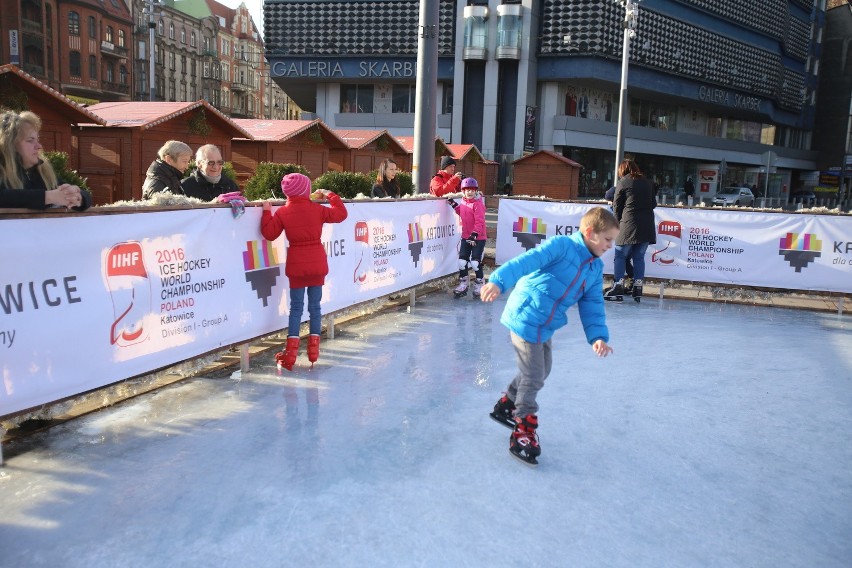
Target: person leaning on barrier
x=27 y=180
x=386 y=183
x=207 y=181
x=165 y=173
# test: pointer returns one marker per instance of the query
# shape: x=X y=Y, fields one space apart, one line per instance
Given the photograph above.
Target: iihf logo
x=415 y=241
x=130 y=290
x=668 y=243
x=362 y=243
x=529 y=232
x=800 y=250
x=261 y=265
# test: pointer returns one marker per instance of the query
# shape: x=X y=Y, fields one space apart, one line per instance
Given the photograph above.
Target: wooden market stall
x=546 y=174
x=21 y=91
x=366 y=149
x=115 y=157
x=406 y=161
x=471 y=162
x=304 y=142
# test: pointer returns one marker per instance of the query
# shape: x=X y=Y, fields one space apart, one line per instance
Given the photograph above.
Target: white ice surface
x=716 y=435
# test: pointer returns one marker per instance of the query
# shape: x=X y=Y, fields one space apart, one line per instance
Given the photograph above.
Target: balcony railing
x=31 y=27
x=108 y=48
x=116 y=87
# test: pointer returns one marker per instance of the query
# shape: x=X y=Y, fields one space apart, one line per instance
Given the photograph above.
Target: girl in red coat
x=307 y=264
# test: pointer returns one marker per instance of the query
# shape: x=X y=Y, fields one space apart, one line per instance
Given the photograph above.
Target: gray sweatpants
x=534 y=363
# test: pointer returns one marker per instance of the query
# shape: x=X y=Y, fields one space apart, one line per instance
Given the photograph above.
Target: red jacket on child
x=301 y=220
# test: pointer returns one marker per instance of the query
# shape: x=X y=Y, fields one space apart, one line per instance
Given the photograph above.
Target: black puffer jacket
x=31 y=196
x=633 y=206
x=196 y=186
x=161 y=177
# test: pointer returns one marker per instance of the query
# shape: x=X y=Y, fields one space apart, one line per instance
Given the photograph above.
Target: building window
x=161 y=28
x=205 y=72
x=171 y=31
x=109 y=34
x=183 y=36
x=74 y=24
x=93 y=67
x=172 y=62
x=192 y=39
x=183 y=67
x=447 y=100
x=121 y=38
x=122 y=75
x=403 y=98
x=74 y=64
x=110 y=73
x=93 y=29
x=356 y=98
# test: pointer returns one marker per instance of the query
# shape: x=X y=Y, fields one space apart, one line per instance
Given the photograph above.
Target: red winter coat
x=443 y=183
x=302 y=221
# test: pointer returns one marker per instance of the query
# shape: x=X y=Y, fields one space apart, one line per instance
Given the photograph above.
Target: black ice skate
x=461 y=289
x=523 y=443
x=637 y=291
x=504 y=412
x=616 y=293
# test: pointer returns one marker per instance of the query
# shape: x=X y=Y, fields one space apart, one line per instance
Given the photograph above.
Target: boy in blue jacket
x=549 y=279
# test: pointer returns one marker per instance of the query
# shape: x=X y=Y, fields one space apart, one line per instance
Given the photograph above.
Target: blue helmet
x=469 y=183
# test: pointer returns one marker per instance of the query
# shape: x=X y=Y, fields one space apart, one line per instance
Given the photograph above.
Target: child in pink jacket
x=472 y=213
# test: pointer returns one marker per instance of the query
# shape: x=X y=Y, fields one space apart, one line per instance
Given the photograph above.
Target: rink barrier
x=733 y=247
x=141 y=290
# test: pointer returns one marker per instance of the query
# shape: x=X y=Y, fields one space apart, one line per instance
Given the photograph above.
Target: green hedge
x=59 y=162
x=266 y=182
x=345 y=184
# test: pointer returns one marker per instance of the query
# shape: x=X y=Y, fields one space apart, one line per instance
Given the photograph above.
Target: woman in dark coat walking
x=633 y=206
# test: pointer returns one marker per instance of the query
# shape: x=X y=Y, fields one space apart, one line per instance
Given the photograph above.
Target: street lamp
x=631 y=17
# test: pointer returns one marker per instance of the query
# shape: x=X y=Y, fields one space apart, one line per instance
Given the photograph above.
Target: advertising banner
x=775 y=250
x=97 y=299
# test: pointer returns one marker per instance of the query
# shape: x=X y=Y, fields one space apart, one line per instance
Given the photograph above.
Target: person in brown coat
x=301 y=220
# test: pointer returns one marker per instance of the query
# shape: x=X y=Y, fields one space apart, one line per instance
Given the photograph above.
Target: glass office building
x=717 y=89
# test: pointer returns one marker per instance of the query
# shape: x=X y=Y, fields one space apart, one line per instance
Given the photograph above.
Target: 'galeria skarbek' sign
x=727 y=98
x=329 y=69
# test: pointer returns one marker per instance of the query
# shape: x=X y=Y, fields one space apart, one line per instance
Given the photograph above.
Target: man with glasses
x=207 y=181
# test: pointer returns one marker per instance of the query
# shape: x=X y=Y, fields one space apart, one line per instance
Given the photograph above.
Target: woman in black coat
x=633 y=206
x=386 y=183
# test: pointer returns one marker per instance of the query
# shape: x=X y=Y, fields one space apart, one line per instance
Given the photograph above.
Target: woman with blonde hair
x=27 y=179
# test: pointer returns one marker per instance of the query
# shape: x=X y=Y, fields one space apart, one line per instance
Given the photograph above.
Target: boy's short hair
x=598 y=219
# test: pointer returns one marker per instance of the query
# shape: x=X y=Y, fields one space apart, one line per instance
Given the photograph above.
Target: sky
x=254 y=6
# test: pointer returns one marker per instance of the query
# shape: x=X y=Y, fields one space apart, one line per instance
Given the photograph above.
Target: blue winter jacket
x=548 y=280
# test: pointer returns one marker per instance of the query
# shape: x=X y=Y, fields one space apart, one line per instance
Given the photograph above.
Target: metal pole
x=630 y=15
x=151 y=27
x=766 y=181
x=426 y=92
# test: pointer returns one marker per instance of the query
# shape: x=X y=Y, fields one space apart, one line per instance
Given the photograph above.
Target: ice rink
x=716 y=435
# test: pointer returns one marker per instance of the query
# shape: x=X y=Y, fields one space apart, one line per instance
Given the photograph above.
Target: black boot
x=615 y=293
x=637 y=290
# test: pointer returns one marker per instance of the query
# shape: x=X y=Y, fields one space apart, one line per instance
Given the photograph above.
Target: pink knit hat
x=296 y=185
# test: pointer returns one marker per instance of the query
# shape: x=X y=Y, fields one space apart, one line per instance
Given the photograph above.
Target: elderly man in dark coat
x=207 y=182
